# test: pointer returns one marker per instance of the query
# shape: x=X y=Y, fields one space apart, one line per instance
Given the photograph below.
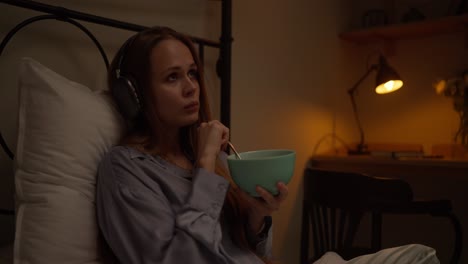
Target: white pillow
x=64 y=130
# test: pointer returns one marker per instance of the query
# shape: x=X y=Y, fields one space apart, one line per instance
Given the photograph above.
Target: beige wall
x=290 y=74
x=289 y=89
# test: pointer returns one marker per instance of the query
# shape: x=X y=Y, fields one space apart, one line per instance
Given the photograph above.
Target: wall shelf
x=426 y=28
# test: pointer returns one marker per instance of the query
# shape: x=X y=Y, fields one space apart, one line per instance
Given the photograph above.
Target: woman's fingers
x=220 y=128
x=283 y=192
x=223 y=129
x=269 y=199
x=222 y=133
x=212 y=138
x=214 y=133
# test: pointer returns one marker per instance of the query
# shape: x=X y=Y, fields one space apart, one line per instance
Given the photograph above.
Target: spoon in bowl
x=234 y=149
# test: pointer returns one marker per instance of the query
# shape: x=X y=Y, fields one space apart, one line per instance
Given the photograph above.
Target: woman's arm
x=141 y=226
x=261 y=209
x=200 y=215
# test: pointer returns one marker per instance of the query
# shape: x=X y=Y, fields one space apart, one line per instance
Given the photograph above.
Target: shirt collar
x=134 y=153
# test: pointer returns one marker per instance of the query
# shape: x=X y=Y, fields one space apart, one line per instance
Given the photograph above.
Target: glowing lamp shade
x=387 y=79
x=389 y=86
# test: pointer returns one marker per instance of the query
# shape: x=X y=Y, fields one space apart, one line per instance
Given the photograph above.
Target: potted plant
x=457 y=88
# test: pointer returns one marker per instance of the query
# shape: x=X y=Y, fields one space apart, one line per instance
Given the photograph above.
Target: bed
x=64 y=128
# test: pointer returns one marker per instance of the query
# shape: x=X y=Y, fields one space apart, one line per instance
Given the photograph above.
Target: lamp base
x=361 y=149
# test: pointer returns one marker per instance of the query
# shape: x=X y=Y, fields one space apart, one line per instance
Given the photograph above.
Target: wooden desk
x=430 y=179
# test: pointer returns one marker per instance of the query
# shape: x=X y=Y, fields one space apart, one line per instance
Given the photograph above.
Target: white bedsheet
x=408 y=254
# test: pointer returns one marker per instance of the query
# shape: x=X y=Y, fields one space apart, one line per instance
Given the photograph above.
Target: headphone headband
x=128 y=43
x=125 y=90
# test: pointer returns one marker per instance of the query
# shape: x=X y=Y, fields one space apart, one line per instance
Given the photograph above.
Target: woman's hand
x=212 y=138
x=265 y=205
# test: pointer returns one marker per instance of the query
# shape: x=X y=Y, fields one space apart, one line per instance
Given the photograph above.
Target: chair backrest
x=334 y=203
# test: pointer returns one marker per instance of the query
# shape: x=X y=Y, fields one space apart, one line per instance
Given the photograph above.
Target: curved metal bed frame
x=223 y=66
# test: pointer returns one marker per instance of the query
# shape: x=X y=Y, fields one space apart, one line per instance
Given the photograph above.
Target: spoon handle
x=234 y=149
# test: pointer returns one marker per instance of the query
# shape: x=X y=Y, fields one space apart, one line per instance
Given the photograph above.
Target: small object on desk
x=407 y=154
x=433 y=156
x=382 y=154
x=397 y=154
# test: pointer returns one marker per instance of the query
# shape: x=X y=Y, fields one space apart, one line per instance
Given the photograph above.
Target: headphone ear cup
x=125 y=94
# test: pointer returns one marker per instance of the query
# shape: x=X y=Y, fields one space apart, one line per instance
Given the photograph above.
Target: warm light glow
x=389 y=87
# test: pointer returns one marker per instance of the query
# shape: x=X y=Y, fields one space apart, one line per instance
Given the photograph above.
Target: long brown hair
x=143 y=133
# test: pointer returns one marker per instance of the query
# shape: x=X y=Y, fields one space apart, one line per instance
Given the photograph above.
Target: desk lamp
x=387 y=81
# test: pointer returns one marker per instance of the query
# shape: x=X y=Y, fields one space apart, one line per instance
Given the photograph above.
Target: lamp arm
x=353 y=89
x=351 y=92
x=358 y=121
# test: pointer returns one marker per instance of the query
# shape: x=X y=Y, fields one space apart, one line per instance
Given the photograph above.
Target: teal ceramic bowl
x=263 y=167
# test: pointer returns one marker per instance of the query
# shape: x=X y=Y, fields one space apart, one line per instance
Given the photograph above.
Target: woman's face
x=174 y=81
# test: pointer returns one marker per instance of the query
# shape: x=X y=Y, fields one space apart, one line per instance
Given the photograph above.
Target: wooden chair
x=335 y=202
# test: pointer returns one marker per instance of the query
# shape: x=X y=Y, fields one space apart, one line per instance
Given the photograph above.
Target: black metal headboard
x=223 y=66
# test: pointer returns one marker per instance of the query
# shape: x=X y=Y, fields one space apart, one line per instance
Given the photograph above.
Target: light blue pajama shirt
x=152 y=211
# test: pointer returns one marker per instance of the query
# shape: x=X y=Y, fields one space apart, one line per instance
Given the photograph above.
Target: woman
x=164 y=195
